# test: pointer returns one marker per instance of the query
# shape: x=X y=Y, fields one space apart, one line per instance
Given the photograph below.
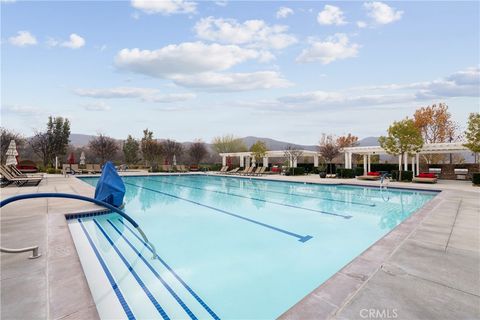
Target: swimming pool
x=229 y=247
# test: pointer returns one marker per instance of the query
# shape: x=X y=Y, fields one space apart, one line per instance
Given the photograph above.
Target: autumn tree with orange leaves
x=436 y=125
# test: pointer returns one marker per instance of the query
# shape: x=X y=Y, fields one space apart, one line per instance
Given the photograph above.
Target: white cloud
x=115 y=93
x=23 y=39
x=213 y=81
x=335 y=47
x=75 y=42
x=381 y=13
x=144 y=94
x=221 y=3
x=165 y=7
x=184 y=58
x=331 y=15
x=21 y=110
x=172 y=97
x=8 y=1
x=284 y=12
x=96 y=106
x=254 y=33
x=361 y=24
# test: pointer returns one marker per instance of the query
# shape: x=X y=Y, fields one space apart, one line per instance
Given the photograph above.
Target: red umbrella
x=71 y=158
x=229 y=162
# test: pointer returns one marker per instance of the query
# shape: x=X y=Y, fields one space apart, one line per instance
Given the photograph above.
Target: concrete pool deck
x=426 y=268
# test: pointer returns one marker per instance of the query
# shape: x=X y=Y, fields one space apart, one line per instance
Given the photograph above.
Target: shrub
x=389 y=167
x=406 y=175
x=345 y=173
x=476 y=178
x=358 y=171
x=295 y=171
x=53 y=171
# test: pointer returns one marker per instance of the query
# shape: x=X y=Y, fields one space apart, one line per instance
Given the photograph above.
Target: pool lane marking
x=134 y=274
x=165 y=284
x=296 y=235
x=298 y=195
x=190 y=290
x=110 y=277
x=257 y=199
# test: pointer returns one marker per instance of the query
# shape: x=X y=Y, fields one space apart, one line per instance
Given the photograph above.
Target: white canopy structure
x=247 y=158
x=430 y=148
x=11 y=154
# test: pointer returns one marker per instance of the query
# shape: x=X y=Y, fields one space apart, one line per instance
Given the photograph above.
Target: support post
x=294 y=163
x=349 y=160
x=247 y=161
x=346 y=160
x=224 y=161
x=405 y=161
x=315 y=161
x=399 y=162
x=365 y=170
x=242 y=162
x=254 y=163
x=265 y=162
x=413 y=165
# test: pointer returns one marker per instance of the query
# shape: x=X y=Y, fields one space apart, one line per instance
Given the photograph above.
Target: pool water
x=233 y=248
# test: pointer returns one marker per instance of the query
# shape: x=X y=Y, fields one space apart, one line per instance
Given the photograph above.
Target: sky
x=198 y=69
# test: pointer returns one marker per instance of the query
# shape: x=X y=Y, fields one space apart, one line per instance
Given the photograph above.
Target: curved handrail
x=82 y=198
x=34 y=250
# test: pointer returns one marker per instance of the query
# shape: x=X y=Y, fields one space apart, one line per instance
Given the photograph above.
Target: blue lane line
x=300 y=237
x=177 y=298
x=202 y=303
x=298 y=195
x=134 y=274
x=110 y=278
x=256 y=199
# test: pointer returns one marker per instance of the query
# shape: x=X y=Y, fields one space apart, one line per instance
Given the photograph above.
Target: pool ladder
x=384 y=181
x=34 y=249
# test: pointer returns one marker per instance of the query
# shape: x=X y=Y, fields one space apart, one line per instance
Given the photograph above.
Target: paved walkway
x=426 y=268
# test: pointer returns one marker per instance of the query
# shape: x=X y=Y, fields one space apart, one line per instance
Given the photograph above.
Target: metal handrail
x=34 y=249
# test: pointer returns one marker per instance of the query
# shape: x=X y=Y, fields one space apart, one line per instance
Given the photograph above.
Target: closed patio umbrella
x=174 y=160
x=82 y=158
x=71 y=160
x=12 y=154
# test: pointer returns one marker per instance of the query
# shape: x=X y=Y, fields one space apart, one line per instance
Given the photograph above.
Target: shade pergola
x=247 y=158
x=429 y=148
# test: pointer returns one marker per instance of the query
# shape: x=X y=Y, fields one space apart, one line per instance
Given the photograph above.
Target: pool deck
x=425 y=268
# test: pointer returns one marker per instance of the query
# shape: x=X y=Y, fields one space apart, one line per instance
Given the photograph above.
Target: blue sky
x=284 y=70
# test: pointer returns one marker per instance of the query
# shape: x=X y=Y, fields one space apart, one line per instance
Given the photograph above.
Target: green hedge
x=476 y=178
x=406 y=175
x=389 y=167
x=299 y=171
x=358 y=171
x=345 y=173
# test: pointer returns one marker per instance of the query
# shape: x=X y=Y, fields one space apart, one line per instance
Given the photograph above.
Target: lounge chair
x=233 y=171
x=181 y=168
x=256 y=171
x=97 y=168
x=370 y=176
x=166 y=167
x=247 y=171
x=224 y=169
x=19 y=174
x=89 y=168
x=70 y=168
x=18 y=181
x=425 y=178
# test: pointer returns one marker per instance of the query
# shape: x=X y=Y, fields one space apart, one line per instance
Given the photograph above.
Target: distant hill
x=81 y=140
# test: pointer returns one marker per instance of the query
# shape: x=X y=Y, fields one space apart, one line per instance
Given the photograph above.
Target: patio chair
x=70 y=168
x=97 y=168
x=233 y=171
x=89 y=168
x=425 y=178
x=18 y=181
x=256 y=172
x=246 y=171
x=370 y=176
x=17 y=173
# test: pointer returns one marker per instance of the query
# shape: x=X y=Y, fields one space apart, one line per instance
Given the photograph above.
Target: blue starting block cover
x=110 y=187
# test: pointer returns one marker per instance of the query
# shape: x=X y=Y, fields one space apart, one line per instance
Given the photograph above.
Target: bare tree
x=197 y=152
x=292 y=153
x=328 y=149
x=103 y=147
x=40 y=144
x=172 y=148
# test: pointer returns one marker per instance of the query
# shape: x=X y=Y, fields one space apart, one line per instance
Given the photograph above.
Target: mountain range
x=81 y=140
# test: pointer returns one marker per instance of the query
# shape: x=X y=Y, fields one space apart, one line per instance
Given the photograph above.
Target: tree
x=259 y=150
x=347 y=141
x=403 y=138
x=5 y=137
x=172 y=148
x=151 y=150
x=58 y=132
x=472 y=134
x=291 y=154
x=329 y=149
x=131 y=147
x=103 y=147
x=228 y=143
x=435 y=125
x=40 y=144
x=197 y=152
